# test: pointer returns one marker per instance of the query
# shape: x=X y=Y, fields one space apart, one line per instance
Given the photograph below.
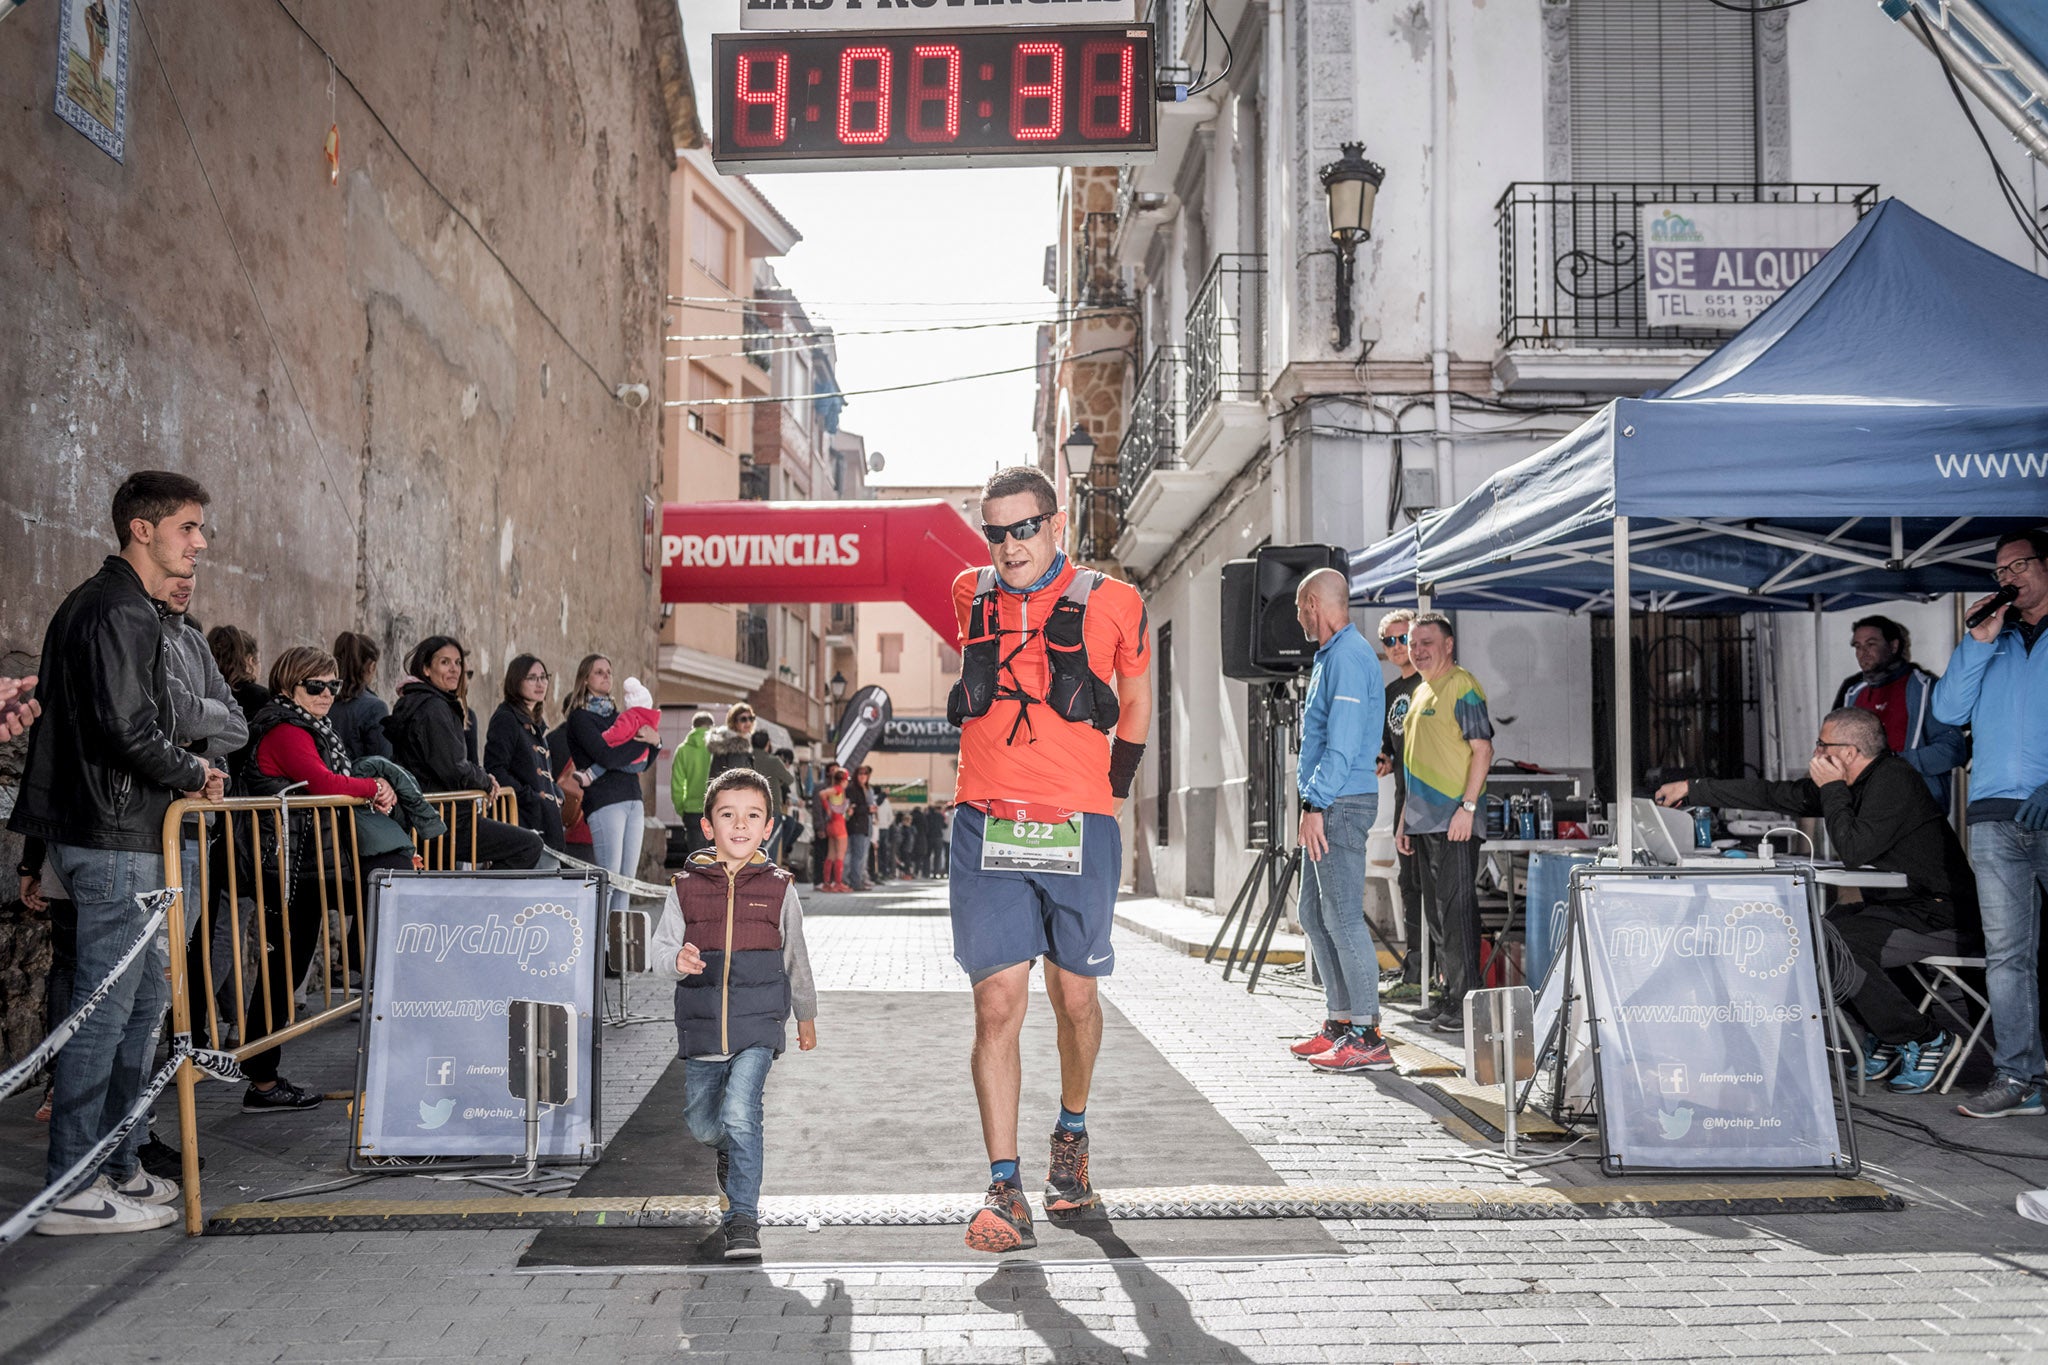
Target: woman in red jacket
x=293 y=748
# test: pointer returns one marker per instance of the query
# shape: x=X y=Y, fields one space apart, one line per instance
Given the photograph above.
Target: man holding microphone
x=1341 y=721
x=1997 y=683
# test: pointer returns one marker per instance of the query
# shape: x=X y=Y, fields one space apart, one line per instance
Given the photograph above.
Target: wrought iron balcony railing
x=1153 y=435
x=758 y=340
x=1226 y=334
x=753 y=483
x=751 y=646
x=1098 y=520
x=1571 y=267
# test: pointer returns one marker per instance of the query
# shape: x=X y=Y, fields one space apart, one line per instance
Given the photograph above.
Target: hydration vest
x=1074 y=692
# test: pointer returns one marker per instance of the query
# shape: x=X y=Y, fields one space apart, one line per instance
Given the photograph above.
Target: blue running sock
x=1004 y=1171
x=1073 y=1122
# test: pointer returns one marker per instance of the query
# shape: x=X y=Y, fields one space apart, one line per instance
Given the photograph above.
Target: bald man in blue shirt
x=1341 y=721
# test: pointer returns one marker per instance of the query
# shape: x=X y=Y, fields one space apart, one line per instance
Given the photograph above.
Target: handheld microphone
x=2009 y=593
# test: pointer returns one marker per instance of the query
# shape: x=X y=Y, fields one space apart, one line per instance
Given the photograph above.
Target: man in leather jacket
x=101 y=772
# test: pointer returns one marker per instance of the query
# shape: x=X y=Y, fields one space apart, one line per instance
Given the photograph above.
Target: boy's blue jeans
x=722 y=1105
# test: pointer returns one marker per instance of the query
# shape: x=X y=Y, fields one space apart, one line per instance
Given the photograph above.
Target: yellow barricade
x=253 y=839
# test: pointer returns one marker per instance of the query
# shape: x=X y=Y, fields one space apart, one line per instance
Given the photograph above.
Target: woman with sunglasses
x=426 y=731
x=294 y=747
x=516 y=749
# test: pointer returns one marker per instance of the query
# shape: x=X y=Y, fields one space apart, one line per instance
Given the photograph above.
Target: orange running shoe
x=1003 y=1223
x=1066 y=1181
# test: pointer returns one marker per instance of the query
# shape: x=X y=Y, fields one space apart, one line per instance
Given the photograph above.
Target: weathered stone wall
x=399 y=387
x=397 y=438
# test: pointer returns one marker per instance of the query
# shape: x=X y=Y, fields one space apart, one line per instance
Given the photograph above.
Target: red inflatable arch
x=819 y=552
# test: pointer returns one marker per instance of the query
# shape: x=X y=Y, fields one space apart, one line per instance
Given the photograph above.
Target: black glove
x=1123 y=765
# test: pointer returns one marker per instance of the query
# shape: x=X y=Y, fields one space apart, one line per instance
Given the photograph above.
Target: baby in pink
x=638 y=715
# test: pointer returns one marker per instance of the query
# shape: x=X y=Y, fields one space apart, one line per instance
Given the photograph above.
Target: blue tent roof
x=1864 y=438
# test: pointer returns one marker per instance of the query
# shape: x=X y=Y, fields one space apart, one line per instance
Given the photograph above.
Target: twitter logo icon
x=1675 y=1126
x=435 y=1114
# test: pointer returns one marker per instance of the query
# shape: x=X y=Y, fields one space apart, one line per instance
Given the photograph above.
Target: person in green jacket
x=687 y=777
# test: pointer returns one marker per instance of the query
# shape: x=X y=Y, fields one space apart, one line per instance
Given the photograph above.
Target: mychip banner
x=1710 y=1036
x=451 y=951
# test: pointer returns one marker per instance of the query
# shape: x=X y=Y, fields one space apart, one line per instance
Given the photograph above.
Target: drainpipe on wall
x=1279 y=198
x=1440 y=241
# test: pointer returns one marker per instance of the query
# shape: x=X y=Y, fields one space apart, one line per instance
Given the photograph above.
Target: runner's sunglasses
x=1016 y=530
x=1391 y=640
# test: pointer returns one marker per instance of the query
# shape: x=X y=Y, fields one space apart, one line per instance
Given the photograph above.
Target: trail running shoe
x=1357 y=1050
x=1066 y=1180
x=742 y=1239
x=1880 y=1059
x=1400 y=993
x=1919 y=1064
x=2004 y=1098
x=1326 y=1038
x=1003 y=1222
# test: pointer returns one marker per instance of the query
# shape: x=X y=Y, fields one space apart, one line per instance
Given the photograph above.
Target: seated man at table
x=1879 y=814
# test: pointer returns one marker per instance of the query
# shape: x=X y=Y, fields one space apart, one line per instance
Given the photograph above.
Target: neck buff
x=1059 y=563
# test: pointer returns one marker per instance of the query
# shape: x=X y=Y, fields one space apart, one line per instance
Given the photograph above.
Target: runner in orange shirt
x=1053 y=707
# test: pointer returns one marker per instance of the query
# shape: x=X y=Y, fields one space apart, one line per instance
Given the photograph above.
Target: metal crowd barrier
x=342 y=955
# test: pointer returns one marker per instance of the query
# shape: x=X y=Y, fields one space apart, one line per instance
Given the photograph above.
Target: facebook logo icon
x=440 y=1071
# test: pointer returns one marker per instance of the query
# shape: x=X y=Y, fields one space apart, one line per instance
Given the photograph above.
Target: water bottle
x=1702 y=827
x=1546 y=818
x=1525 y=818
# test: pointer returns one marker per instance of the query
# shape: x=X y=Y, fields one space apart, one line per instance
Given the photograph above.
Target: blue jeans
x=2012 y=867
x=104 y=1067
x=615 y=834
x=722 y=1105
x=1332 y=912
x=856 y=873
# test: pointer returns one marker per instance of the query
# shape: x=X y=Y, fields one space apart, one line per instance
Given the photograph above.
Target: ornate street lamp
x=1352 y=184
x=1080 y=450
x=837 y=687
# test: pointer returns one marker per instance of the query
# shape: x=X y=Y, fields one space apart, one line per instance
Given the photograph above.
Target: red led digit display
x=761 y=99
x=932 y=107
x=1079 y=95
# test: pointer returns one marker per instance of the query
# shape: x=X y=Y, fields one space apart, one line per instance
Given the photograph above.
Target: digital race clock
x=1079 y=95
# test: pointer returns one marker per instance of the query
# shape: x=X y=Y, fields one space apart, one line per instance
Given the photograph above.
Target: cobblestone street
x=1954 y=1276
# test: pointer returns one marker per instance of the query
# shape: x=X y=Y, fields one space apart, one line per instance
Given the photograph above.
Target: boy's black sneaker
x=1066 y=1178
x=161 y=1159
x=280 y=1098
x=1003 y=1222
x=742 y=1239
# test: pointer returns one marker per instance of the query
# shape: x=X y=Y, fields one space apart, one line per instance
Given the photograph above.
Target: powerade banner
x=919 y=735
x=1707 y=1009
x=451 y=951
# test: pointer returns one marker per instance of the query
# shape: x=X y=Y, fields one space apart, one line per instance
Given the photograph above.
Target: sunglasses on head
x=1016 y=530
x=1391 y=640
x=316 y=687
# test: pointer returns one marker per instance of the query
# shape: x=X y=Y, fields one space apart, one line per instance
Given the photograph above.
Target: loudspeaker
x=1277 y=641
x=1240 y=610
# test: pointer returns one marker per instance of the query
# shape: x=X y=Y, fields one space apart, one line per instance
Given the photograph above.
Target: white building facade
x=1498 y=302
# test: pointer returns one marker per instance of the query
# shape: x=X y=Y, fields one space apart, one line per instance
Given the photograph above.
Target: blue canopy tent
x=1865 y=438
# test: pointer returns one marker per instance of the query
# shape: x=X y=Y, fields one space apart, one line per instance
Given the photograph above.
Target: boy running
x=732 y=938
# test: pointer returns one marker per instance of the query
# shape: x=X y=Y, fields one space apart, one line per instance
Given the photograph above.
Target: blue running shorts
x=1003 y=918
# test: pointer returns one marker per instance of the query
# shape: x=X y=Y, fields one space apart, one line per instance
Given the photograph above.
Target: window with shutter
x=708 y=421
x=1662 y=90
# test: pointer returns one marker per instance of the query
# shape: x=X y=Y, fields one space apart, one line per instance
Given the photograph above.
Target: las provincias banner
x=908 y=552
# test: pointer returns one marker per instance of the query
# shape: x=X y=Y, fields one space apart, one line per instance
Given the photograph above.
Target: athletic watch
x=1309 y=808
x=1469 y=807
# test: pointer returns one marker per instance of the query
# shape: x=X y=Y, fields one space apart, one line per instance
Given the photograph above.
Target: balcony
x=750 y=646
x=1160 y=494
x=757 y=340
x=753 y=483
x=789 y=706
x=1226 y=328
x=1571 y=281
x=842 y=623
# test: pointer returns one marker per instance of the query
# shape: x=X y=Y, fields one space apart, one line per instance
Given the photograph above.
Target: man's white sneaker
x=145 y=1188
x=97 y=1208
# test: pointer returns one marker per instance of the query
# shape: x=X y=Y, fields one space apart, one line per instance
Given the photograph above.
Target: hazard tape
x=157 y=904
x=616 y=881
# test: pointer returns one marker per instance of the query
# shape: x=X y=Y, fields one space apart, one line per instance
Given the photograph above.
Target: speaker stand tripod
x=1273 y=874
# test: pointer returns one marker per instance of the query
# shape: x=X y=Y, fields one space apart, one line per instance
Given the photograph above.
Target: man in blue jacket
x=1997 y=681
x=1340 y=797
